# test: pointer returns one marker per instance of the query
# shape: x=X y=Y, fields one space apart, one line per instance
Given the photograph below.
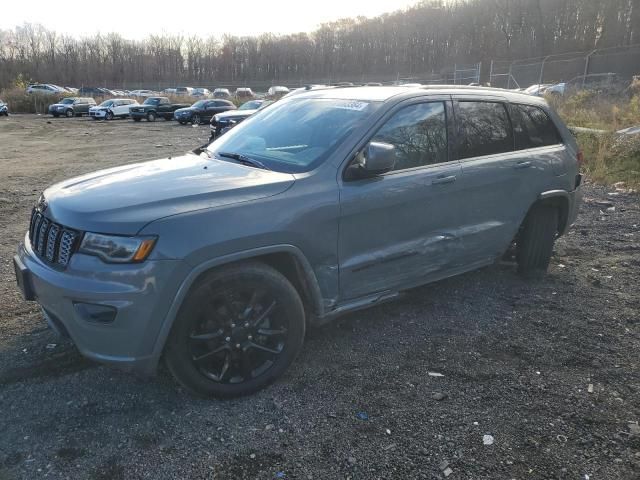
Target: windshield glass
x=199 y=104
x=106 y=103
x=152 y=101
x=295 y=136
x=66 y=101
x=251 y=105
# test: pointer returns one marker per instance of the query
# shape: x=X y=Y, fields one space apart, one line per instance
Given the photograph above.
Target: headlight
x=115 y=249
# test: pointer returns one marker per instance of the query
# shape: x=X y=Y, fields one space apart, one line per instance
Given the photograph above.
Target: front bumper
x=138 y=114
x=98 y=113
x=139 y=295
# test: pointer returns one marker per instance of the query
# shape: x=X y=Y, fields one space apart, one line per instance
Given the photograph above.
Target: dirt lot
x=550 y=369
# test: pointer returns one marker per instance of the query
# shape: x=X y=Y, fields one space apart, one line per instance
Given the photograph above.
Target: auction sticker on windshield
x=353 y=105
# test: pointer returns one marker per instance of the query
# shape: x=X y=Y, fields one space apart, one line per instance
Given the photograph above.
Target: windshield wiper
x=243 y=159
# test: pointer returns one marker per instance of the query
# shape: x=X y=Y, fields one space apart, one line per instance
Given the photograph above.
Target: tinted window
x=532 y=127
x=483 y=129
x=419 y=133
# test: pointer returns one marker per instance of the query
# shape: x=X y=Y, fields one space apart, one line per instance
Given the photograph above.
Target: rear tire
x=534 y=245
x=238 y=330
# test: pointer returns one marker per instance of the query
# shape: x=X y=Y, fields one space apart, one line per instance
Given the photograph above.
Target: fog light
x=92 y=312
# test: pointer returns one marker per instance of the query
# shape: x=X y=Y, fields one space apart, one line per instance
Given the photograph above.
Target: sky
x=136 y=19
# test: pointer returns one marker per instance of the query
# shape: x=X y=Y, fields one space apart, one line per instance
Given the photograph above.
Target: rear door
x=496 y=179
x=396 y=229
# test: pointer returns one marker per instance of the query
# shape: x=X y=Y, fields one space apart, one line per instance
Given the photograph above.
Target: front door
x=398 y=229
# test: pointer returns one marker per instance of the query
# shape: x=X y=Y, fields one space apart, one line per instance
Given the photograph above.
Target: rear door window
x=532 y=127
x=483 y=129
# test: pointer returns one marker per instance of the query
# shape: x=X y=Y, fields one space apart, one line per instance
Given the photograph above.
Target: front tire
x=534 y=245
x=195 y=120
x=136 y=119
x=69 y=113
x=151 y=117
x=109 y=115
x=237 y=331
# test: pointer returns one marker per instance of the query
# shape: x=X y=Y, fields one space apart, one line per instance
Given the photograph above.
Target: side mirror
x=375 y=159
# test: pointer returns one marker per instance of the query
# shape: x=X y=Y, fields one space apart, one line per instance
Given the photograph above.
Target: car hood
x=235 y=114
x=124 y=199
x=187 y=110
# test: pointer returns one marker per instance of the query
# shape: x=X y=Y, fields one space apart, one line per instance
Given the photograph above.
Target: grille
x=51 y=241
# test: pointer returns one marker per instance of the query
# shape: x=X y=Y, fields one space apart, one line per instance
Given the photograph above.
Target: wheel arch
x=286 y=259
x=560 y=200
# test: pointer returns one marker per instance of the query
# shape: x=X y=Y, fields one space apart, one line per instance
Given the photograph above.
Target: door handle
x=443 y=179
x=522 y=165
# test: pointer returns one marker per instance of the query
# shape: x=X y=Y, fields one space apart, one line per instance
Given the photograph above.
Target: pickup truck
x=154 y=107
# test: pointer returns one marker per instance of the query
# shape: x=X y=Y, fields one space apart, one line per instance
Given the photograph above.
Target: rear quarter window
x=532 y=127
x=483 y=128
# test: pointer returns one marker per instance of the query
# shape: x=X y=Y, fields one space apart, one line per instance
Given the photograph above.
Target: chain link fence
x=574 y=68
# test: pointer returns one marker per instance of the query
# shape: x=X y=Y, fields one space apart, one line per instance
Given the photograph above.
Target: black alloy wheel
x=239 y=330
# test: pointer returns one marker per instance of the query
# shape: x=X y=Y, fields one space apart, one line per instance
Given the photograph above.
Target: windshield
x=295 y=136
x=199 y=104
x=152 y=101
x=66 y=101
x=251 y=105
x=106 y=103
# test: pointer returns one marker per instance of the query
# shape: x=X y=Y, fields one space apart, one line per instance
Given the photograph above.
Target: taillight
x=580 y=158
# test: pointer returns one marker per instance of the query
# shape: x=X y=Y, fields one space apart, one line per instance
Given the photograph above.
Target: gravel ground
x=549 y=369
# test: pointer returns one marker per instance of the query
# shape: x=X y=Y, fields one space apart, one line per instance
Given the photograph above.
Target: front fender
x=192 y=276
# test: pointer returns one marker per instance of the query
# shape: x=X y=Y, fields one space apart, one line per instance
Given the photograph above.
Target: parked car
x=277 y=91
x=221 y=93
x=142 y=93
x=169 y=91
x=114 y=108
x=72 y=107
x=4 y=109
x=202 y=111
x=96 y=92
x=243 y=93
x=373 y=84
x=154 y=107
x=223 y=122
x=328 y=202
x=44 y=89
x=201 y=93
x=184 y=91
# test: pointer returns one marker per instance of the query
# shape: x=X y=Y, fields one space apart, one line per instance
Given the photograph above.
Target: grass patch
x=609 y=157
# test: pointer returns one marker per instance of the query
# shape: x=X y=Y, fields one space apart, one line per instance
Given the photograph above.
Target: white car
x=141 y=93
x=45 y=89
x=114 y=108
x=201 y=92
x=277 y=91
x=221 y=93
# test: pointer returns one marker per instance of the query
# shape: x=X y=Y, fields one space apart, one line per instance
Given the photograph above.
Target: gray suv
x=327 y=202
x=72 y=107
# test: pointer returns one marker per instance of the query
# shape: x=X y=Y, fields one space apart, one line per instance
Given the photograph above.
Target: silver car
x=323 y=203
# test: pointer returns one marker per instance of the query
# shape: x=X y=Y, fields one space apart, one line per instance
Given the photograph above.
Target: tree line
x=425 y=38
